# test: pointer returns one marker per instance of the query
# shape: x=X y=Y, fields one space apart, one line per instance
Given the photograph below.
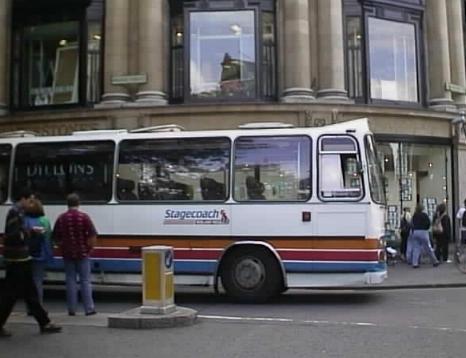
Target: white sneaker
x=449 y=261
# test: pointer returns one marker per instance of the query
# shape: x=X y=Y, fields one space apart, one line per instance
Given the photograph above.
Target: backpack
x=463 y=219
x=437 y=227
x=35 y=242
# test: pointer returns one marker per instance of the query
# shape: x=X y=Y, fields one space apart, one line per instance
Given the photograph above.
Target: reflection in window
x=354 y=56
x=50 y=64
x=222 y=54
x=54 y=170
x=272 y=168
x=340 y=176
x=173 y=169
x=5 y=157
x=392 y=54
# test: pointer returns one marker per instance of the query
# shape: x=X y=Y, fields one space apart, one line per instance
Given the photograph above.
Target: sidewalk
x=401 y=275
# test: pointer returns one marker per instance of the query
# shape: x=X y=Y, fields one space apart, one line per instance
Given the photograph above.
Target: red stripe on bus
x=329 y=255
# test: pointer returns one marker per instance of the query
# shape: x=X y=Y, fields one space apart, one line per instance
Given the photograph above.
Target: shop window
x=226 y=52
x=415 y=173
x=384 y=51
x=53 y=62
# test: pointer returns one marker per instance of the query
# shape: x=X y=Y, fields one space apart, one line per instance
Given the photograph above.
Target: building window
x=53 y=61
x=392 y=55
x=383 y=51
x=223 y=50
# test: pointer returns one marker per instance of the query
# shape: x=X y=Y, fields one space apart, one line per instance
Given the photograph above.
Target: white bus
x=258 y=210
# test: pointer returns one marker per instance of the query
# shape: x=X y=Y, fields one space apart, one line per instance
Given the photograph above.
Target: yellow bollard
x=158 y=285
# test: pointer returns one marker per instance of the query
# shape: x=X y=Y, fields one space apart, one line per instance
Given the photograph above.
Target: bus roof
x=360 y=126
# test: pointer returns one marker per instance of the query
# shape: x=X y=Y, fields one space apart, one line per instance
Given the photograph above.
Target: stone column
x=331 y=50
x=152 y=52
x=438 y=55
x=116 y=50
x=296 y=49
x=4 y=54
x=456 y=43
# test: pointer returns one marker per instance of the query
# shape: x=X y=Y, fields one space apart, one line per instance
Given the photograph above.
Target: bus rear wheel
x=251 y=275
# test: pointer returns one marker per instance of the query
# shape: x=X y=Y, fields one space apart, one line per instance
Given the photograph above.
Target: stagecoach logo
x=196 y=217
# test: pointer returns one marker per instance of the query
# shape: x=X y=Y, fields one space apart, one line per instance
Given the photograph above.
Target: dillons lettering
x=59 y=170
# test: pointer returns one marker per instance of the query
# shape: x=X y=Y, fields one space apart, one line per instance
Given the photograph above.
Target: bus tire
x=251 y=275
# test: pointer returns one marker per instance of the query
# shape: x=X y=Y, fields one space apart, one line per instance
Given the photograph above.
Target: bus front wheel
x=251 y=275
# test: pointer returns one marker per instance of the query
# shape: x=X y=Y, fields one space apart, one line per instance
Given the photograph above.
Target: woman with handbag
x=441 y=231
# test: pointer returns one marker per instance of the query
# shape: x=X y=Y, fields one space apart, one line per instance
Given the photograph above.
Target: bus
x=255 y=210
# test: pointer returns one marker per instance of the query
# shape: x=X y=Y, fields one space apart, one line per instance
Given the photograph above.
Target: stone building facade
x=212 y=64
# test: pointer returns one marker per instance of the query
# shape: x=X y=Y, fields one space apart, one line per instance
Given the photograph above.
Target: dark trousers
x=18 y=283
x=441 y=247
x=404 y=242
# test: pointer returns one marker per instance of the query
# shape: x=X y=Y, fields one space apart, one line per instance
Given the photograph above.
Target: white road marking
x=318 y=322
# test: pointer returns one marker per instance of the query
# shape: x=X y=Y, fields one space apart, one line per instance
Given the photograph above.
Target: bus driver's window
x=339 y=168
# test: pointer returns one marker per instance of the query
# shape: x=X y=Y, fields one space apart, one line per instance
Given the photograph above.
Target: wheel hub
x=249 y=273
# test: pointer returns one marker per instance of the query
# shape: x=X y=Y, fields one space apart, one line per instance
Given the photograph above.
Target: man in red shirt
x=75 y=233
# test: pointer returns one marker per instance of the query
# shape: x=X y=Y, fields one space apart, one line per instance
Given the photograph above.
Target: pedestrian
x=420 y=236
x=405 y=228
x=18 y=266
x=441 y=231
x=461 y=216
x=39 y=242
x=75 y=234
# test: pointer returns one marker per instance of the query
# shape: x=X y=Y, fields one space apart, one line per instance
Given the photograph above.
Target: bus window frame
x=260 y=201
x=69 y=142
x=319 y=171
x=180 y=202
x=384 y=201
x=9 y=177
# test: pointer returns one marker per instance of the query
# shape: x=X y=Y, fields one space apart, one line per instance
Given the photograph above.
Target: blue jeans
x=38 y=273
x=421 y=243
x=409 y=249
x=82 y=269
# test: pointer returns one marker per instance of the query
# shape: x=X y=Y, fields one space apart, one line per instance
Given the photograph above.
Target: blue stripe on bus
x=190 y=267
x=333 y=267
x=209 y=267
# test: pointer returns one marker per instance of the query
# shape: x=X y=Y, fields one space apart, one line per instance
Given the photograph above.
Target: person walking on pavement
x=40 y=247
x=461 y=216
x=75 y=234
x=420 y=236
x=405 y=228
x=441 y=231
x=18 y=266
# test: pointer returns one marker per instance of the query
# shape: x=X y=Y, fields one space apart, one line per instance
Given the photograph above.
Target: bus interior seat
x=125 y=189
x=212 y=189
x=255 y=188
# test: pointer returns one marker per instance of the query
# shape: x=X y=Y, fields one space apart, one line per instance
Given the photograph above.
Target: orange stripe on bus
x=322 y=243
